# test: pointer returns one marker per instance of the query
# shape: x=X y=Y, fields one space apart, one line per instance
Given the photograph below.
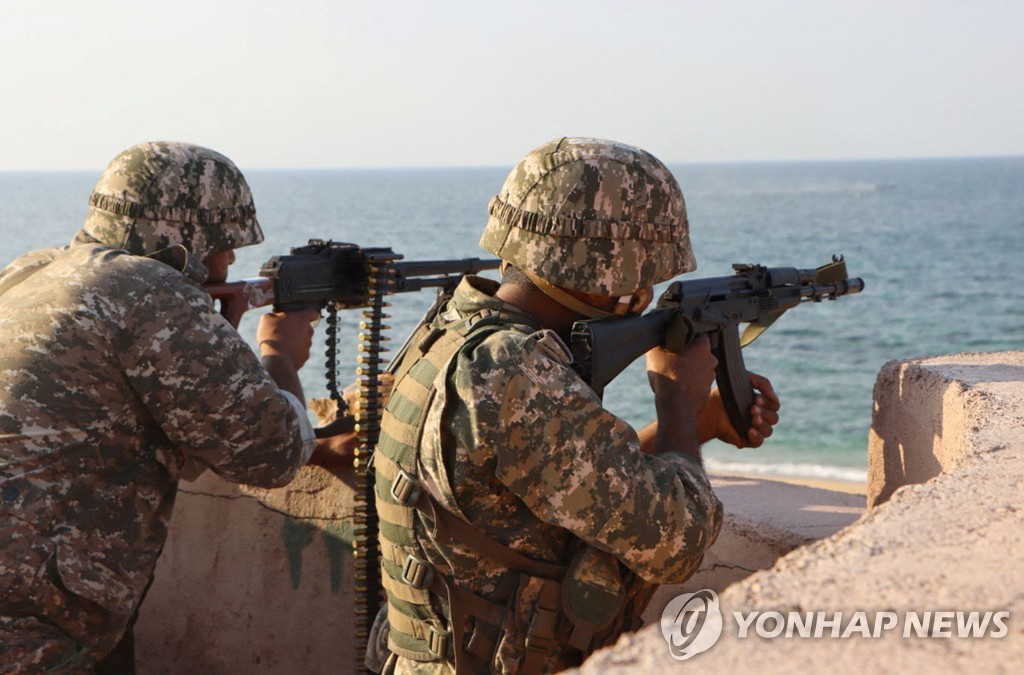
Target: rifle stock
x=716 y=306
x=235 y=298
x=603 y=348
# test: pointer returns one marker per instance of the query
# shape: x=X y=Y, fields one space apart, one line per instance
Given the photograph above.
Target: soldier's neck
x=534 y=302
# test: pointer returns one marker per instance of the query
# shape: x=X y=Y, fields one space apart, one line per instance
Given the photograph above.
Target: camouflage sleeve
x=205 y=387
x=577 y=466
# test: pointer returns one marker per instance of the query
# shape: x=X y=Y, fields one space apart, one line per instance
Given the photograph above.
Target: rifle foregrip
x=733 y=380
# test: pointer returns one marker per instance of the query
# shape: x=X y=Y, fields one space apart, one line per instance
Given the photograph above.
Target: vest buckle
x=405 y=488
x=437 y=642
x=417 y=573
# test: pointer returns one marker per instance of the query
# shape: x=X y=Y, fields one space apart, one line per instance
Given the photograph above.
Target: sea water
x=937 y=242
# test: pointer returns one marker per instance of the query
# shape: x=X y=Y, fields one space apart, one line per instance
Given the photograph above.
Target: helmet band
x=575 y=227
x=177 y=214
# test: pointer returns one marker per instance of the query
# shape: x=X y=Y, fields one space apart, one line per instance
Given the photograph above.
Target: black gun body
x=309 y=278
x=340 y=274
x=715 y=307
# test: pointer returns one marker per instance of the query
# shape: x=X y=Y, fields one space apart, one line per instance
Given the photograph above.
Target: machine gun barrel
x=415 y=275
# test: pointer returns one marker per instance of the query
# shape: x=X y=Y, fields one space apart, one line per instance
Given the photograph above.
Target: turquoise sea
x=938 y=243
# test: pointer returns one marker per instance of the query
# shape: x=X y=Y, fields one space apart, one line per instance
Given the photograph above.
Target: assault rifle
x=754 y=295
x=325 y=274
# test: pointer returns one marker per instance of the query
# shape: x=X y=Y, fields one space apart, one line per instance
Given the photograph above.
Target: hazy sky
x=338 y=83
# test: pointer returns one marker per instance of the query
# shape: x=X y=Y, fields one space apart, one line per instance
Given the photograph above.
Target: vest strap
x=428 y=643
x=450 y=529
x=395 y=513
x=542 y=635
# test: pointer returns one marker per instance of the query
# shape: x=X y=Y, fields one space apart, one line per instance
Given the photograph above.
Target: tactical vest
x=584 y=604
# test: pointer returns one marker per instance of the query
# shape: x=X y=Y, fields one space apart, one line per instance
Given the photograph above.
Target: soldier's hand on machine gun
x=287 y=334
x=336 y=451
x=336 y=438
x=284 y=340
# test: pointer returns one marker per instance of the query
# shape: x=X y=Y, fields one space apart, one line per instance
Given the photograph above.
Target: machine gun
x=328 y=275
x=755 y=295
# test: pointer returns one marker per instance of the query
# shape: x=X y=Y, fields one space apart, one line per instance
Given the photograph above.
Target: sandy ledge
x=849 y=487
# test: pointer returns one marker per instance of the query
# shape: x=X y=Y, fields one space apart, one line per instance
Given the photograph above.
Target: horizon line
x=428 y=167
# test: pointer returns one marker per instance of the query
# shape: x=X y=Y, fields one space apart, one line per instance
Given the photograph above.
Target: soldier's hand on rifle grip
x=690 y=372
x=764 y=415
x=681 y=384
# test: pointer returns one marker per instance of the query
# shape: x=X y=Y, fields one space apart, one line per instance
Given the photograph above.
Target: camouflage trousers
x=46 y=628
x=28 y=645
x=31 y=646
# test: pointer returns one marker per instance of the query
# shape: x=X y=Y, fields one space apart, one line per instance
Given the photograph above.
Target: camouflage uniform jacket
x=114 y=369
x=520 y=445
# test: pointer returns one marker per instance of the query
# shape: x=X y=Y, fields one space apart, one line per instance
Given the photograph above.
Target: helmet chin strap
x=569 y=301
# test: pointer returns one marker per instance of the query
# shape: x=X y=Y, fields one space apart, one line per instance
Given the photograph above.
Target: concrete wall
x=260 y=581
x=253 y=581
x=933 y=415
x=951 y=543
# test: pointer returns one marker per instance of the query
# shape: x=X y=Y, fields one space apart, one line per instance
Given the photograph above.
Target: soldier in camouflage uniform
x=522 y=524
x=115 y=373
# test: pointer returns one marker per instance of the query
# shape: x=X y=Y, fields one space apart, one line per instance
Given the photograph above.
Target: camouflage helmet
x=591 y=215
x=163 y=195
